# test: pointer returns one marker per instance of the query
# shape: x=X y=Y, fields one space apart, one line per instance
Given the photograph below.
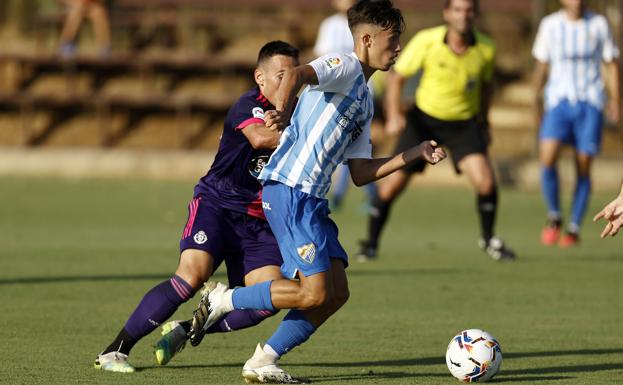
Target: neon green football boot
x=173 y=341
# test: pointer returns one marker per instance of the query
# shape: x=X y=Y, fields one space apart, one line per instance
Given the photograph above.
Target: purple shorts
x=243 y=242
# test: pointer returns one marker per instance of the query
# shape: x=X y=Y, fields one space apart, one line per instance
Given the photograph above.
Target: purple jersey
x=231 y=181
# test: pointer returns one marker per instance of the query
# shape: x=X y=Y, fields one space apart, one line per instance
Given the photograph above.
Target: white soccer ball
x=474 y=355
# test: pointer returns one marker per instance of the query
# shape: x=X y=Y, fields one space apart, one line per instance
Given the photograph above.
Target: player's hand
x=395 y=124
x=430 y=152
x=614 y=111
x=275 y=120
x=613 y=213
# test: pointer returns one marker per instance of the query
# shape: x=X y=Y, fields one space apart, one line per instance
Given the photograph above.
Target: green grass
x=75 y=258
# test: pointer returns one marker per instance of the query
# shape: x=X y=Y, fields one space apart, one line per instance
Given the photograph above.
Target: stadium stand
x=188 y=59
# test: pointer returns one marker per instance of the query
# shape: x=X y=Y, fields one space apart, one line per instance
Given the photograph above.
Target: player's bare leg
x=549 y=150
x=262 y=366
x=480 y=173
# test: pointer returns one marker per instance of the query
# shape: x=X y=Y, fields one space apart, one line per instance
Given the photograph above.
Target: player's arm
x=539 y=78
x=396 y=120
x=261 y=137
x=364 y=171
x=614 y=95
x=292 y=81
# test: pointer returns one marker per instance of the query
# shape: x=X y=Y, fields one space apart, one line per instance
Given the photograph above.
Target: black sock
x=487 y=207
x=122 y=344
x=377 y=220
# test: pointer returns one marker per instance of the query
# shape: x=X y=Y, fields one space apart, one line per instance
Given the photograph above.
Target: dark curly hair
x=377 y=12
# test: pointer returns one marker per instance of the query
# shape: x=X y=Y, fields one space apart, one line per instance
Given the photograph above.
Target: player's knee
x=192 y=273
x=486 y=186
x=340 y=298
x=311 y=299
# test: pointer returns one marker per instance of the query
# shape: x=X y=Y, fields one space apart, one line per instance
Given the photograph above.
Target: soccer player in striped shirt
x=330 y=125
x=570 y=46
x=225 y=224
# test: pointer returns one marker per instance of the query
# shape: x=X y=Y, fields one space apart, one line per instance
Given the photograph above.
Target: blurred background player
x=569 y=48
x=225 y=223
x=77 y=10
x=334 y=37
x=331 y=124
x=456 y=63
x=613 y=214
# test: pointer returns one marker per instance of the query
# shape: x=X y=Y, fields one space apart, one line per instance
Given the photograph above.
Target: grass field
x=77 y=256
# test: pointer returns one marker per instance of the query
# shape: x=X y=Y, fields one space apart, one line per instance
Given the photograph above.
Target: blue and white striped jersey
x=330 y=124
x=574 y=51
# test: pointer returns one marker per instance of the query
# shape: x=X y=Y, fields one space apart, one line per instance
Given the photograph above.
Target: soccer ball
x=474 y=355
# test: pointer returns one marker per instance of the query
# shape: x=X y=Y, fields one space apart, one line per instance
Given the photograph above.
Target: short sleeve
x=361 y=148
x=412 y=57
x=541 y=49
x=609 y=49
x=245 y=113
x=489 y=67
x=335 y=72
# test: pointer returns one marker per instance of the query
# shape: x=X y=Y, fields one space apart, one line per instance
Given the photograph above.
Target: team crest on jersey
x=471 y=84
x=200 y=238
x=333 y=62
x=307 y=252
x=258 y=113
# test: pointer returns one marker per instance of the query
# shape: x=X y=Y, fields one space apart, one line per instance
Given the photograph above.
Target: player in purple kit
x=226 y=223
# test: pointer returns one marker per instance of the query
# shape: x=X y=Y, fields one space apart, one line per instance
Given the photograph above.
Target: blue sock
x=580 y=200
x=549 y=184
x=292 y=331
x=253 y=297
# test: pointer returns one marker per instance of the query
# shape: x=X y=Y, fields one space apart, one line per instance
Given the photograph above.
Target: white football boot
x=214 y=304
x=262 y=369
x=113 y=362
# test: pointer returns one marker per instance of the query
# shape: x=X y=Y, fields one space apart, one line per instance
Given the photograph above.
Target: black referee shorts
x=460 y=137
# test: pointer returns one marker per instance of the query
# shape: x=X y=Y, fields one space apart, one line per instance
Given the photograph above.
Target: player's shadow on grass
x=90 y=278
x=440 y=360
x=402 y=272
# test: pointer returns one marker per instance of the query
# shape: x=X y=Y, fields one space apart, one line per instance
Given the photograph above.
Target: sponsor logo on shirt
x=343 y=121
x=356 y=132
x=307 y=252
x=333 y=62
x=257 y=164
x=266 y=206
x=258 y=112
x=200 y=238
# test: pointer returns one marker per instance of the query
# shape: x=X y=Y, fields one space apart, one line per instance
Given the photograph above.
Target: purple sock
x=240 y=319
x=158 y=305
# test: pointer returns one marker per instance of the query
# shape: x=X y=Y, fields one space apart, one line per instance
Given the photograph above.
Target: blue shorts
x=306 y=235
x=243 y=242
x=578 y=125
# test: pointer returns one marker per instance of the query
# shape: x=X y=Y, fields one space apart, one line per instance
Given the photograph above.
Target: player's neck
x=574 y=16
x=458 y=42
x=364 y=59
x=367 y=71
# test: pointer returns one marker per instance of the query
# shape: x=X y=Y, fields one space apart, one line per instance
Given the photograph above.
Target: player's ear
x=259 y=77
x=366 y=38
